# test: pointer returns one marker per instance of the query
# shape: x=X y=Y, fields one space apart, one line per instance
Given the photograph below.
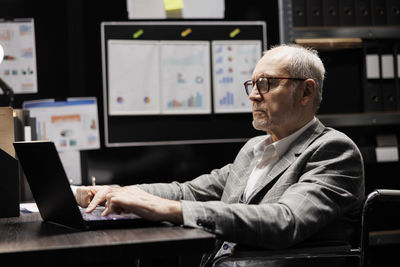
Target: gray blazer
x=314 y=192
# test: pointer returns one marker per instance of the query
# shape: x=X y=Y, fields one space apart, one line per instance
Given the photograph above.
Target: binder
x=331 y=12
x=314 y=12
x=347 y=15
x=363 y=12
x=372 y=93
x=393 y=12
x=387 y=64
x=372 y=97
x=299 y=13
x=378 y=11
x=389 y=95
x=397 y=74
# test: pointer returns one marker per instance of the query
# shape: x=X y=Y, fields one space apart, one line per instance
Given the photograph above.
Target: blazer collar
x=294 y=151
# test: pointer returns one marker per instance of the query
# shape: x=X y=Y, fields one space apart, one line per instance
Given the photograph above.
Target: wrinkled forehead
x=273 y=63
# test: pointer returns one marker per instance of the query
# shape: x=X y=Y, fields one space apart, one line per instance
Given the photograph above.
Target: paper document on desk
x=29 y=207
x=7 y=130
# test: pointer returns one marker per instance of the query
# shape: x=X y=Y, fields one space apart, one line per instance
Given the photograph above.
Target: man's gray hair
x=305 y=63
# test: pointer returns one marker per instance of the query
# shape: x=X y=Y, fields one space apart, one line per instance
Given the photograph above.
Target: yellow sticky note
x=171 y=5
x=186 y=32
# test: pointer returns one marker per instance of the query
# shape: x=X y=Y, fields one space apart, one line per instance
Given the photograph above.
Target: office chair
x=380 y=219
x=326 y=254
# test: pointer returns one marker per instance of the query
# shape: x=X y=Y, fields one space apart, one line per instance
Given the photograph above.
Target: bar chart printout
x=233 y=63
x=185 y=77
x=133 y=77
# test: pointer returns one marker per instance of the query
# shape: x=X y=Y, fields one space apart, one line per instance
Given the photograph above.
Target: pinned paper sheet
x=173 y=5
x=161 y=9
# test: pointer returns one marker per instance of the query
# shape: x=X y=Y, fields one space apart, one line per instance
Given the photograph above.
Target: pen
x=93 y=181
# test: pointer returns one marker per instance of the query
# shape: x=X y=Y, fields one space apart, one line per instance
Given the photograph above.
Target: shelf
x=381 y=238
x=330 y=43
x=364 y=32
x=360 y=119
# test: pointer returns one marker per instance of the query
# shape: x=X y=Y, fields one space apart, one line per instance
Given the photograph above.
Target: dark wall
x=69 y=65
x=51 y=28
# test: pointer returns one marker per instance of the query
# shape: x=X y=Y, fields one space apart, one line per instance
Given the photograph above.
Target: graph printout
x=72 y=125
x=18 y=68
x=233 y=64
x=133 y=77
x=185 y=77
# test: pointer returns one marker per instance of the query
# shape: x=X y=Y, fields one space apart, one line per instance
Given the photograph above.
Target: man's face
x=275 y=112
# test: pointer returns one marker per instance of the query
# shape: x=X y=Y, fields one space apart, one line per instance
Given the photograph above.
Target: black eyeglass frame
x=249 y=83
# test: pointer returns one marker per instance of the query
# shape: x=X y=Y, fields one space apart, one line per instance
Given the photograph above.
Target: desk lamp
x=4 y=86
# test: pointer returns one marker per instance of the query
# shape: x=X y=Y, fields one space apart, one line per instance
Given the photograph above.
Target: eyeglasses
x=264 y=84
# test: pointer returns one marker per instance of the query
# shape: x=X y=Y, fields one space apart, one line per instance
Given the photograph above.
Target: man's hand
x=90 y=197
x=134 y=200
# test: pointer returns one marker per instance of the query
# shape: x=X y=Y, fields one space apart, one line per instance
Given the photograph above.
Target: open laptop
x=53 y=195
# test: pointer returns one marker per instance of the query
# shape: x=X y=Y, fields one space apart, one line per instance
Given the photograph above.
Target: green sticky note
x=171 y=5
x=137 y=34
x=234 y=33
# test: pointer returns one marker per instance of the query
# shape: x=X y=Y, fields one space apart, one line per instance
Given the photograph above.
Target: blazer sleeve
x=330 y=183
x=206 y=187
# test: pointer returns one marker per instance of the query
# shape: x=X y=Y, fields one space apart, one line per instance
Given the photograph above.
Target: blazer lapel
x=295 y=150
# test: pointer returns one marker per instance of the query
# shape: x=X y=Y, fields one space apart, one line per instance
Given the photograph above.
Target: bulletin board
x=178 y=82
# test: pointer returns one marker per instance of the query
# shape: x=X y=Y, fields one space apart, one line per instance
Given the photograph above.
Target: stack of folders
x=382 y=73
x=24 y=125
x=309 y=13
x=24 y=130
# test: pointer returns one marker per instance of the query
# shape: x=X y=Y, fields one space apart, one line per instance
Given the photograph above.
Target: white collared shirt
x=268 y=154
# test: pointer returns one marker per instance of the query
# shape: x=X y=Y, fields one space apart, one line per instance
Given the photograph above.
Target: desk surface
x=27 y=239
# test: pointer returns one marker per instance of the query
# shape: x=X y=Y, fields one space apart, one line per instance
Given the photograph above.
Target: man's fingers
x=83 y=196
x=106 y=211
x=108 y=204
x=98 y=198
x=113 y=204
x=87 y=198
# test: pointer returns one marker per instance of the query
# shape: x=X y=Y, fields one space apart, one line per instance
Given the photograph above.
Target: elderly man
x=300 y=182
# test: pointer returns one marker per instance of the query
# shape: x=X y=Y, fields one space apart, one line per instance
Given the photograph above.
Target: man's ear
x=309 y=92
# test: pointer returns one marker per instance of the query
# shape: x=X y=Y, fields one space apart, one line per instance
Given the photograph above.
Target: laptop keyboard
x=95 y=215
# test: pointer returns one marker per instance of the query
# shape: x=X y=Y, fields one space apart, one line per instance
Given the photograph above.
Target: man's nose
x=255 y=95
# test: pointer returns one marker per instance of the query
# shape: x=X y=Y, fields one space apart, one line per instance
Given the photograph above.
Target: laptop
x=53 y=194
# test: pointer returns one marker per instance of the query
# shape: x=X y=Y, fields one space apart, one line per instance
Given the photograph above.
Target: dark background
x=69 y=65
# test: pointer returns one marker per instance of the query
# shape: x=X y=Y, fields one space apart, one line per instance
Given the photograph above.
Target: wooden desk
x=28 y=240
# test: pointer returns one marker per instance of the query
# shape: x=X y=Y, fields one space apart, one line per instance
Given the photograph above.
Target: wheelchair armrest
x=312 y=248
x=388 y=195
